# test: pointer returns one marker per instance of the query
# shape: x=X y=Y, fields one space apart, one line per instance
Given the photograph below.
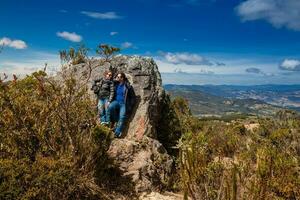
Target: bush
x=226 y=161
x=51 y=147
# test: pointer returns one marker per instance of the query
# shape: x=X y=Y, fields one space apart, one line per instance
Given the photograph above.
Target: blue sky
x=213 y=41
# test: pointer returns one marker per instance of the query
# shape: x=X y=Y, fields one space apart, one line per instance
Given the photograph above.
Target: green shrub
x=50 y=145
x=226 y=161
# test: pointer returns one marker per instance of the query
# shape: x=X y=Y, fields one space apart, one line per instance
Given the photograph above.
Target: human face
x=120 y=78
x=108 y=75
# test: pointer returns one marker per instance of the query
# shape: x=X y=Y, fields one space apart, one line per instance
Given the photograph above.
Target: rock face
x=138 y=153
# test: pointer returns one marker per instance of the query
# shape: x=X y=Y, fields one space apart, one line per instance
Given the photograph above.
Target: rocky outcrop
x=138 y=153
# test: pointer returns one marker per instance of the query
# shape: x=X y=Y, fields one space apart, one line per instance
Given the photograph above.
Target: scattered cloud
x=34 y=61
x=16 y=44
x=184 y=58
x=98 y=15
x=63 y=11
x=113 y=33
x=287 y=73
x=226 y=79
x=126 y=45
x=280 y=13
x=220 y=64
x=290 y=65
x=200 y=71
x=254 y=70
x=69 y=36
x=205 y=71
x=179 y=70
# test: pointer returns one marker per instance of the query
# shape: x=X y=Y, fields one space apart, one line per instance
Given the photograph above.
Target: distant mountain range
x=220 y=100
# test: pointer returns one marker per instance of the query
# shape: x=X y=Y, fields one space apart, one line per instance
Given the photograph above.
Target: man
x=123 y=104
x=104 y=89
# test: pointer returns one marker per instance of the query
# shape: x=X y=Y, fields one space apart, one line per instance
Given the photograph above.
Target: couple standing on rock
x=116 y=99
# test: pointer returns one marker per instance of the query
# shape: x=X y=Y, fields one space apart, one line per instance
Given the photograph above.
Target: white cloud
x=184 y=58
x=69 y=36
x=17 y=44
x=98 y=15
x=280 y=13
x=199 y=71
x=290 y=65
x=254 y=70
x=179 y=70
x=220 y=64
x=34 y=61
x=166 y=67
x=113 y=33
x=126 y=45
x=226 y=79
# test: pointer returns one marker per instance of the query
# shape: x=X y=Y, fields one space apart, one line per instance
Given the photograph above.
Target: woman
x=123 y=103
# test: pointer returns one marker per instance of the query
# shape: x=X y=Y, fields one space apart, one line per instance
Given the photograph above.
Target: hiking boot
x=118 y=135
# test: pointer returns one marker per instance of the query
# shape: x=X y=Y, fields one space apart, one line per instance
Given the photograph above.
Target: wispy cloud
x=167 y=67
x=290 y=65
x=69 y=36
x=113 y=33
x=254 y=70
x=98 y=15
x=200 y=71
x=16 y=44
x=280 y=13
x=126 y=45
x=220 y=64
x=184 y=58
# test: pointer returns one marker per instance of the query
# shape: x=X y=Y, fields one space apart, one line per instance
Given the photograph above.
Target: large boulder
x=139 y=153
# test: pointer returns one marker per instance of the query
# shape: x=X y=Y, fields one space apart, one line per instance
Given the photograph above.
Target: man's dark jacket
x=104 y=88
x=129 y=96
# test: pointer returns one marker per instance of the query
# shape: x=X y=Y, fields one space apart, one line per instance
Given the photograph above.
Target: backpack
x=97 y=85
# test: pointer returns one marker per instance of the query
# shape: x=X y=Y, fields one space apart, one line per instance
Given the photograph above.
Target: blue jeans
x=117 y=112
x=102 y=111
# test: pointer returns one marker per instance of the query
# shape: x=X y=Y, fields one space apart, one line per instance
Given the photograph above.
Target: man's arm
x=111 y=91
